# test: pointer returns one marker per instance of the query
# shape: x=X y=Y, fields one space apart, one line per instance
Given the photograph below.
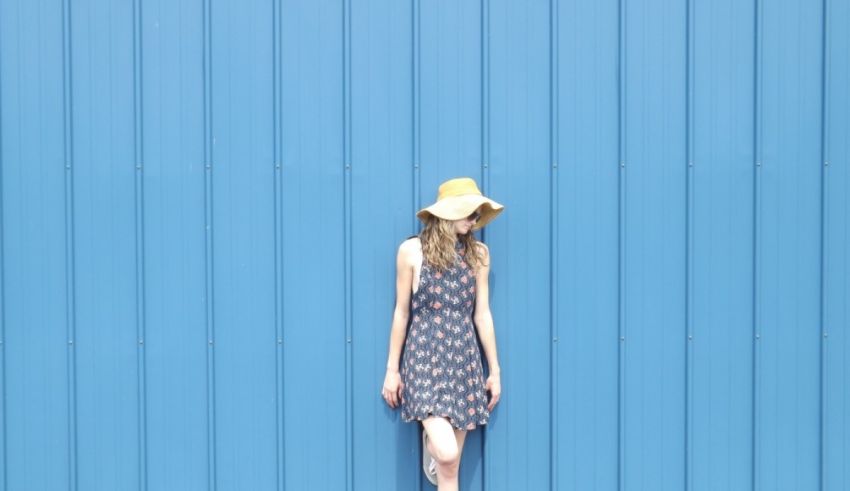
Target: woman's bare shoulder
x=482 y=248
x=410 y=246
x=412 y=241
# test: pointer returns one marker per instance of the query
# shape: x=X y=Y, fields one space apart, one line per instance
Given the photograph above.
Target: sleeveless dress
x=441 y=364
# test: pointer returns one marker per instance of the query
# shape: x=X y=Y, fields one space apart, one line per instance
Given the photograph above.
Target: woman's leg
x=460 y=436
x=445 y=444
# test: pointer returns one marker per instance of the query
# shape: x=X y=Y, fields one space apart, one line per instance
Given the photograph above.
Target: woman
x=442 y=274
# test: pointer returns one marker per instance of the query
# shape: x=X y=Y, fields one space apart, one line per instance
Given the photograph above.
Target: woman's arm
x=398 y=331
x=484 y=324
x=401 y=314
x=483 y=318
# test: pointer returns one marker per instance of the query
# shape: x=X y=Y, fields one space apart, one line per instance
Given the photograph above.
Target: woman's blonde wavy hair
x=438 y=237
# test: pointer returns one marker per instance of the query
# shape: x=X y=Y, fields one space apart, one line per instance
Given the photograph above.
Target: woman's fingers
x=493 y=400
x=392 y=392
x=495 y=388
x=389 y=397
x=494 y=397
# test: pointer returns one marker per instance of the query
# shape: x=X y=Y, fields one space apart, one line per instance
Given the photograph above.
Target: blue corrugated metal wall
x=202 y=201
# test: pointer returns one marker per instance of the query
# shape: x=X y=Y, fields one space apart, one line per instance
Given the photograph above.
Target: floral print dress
x=441 y=367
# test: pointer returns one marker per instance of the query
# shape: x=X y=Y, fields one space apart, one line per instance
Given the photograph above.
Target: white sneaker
x=429 y=464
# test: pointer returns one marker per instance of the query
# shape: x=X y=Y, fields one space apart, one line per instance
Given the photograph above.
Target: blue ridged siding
x=201 y=203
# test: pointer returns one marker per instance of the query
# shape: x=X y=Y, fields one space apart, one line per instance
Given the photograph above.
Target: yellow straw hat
x=458 y=198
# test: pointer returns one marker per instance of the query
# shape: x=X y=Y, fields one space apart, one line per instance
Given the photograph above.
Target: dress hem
x=450 y=419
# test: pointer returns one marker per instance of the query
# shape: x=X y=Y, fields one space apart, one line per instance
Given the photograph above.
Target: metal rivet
x=210 y=341
x=141 y=342
x=279 y=341
x=690 y=336
x=758 y=336
x=70 y=341
x=824 y=335
x=622 y=338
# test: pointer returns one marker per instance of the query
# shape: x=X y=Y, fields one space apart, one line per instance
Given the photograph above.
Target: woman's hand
x=392 y=388
x=494 y=385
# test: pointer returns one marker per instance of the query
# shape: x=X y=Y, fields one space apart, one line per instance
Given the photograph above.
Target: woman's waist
x=445 y=315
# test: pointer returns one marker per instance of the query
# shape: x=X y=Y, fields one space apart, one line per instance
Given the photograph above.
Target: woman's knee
x=447 y=455
x=448 y=460
x=443 y=444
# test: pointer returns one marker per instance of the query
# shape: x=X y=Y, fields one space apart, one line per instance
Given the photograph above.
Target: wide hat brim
x=458 y=207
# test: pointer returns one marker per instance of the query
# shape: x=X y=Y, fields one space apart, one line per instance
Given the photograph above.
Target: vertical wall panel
x=313 y=260
x=790 y=247
x=35 y=398
x=519 y=439
x=382 y=159
x=836 y=318
x=587 y=236
x=242 y=244
x=655 y=207
x=172 y=106
x=722 y=246
x=450 y=85
x=104 y=288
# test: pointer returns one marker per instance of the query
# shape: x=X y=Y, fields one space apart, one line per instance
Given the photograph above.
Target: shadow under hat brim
x=459 y=207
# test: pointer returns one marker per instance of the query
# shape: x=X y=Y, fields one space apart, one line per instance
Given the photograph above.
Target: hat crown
x=457 y=187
